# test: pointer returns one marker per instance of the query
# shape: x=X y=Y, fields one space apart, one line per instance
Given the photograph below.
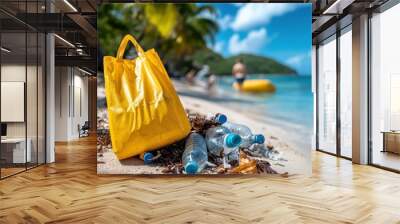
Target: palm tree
x=176 y=31
x=185 y=29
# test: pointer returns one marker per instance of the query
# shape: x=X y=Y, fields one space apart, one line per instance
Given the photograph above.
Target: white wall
x=16 y=73
x=71 y=94
x=33 y=127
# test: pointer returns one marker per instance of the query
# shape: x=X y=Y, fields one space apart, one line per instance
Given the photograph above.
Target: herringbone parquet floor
x=69 y=191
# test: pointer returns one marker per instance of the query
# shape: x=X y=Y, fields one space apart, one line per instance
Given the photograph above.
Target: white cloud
x=301 y=62
x=295 y=60
x=224 y=22
x=298 y=59
x=256 y=14
x=219 y=47
x=252 y=43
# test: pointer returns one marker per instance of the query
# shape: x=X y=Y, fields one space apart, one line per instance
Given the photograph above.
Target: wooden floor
x=387 y=159
x=69 y=191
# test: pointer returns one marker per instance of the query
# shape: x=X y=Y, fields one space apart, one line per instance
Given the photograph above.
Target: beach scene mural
x=204 y=89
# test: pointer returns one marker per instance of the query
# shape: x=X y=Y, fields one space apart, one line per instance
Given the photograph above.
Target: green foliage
x=175 y=30
x=255 y=64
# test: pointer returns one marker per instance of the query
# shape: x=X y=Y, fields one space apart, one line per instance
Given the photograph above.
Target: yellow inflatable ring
x=255 y=86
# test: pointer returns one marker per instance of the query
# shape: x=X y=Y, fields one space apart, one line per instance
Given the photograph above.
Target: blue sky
x=278 y=30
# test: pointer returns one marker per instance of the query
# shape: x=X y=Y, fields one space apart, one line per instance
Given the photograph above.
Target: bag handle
x=124 y=43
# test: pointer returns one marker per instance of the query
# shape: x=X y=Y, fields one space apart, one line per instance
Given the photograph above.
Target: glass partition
x=22 y=88
x=346 y=92
x=31 y=97
x=41 y=97
x=14 y=153
x=327 y=95
x=385 y=89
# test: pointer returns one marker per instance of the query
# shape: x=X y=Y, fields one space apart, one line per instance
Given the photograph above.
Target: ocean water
x=290 y=107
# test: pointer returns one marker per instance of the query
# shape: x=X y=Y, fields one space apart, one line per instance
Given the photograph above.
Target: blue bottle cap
x=191 y=167
x=221 y=118
x=232 y=140
x=260 y=139
x=148 y=157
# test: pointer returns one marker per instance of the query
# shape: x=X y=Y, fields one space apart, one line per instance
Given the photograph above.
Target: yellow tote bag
x=144 y=110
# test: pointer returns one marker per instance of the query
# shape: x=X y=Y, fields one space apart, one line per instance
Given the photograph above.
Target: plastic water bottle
x=147 y=157
x=195 y=156
x=221 y=142
x=217 y=118
x=245 y=133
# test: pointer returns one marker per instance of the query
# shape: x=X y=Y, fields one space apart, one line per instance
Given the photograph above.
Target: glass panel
x=23 y=82
x=13 y=93
x=327 y=95
x=31 y=98
x=32 y=86
x=41 y=99
x=346 y=92
x=385 y=93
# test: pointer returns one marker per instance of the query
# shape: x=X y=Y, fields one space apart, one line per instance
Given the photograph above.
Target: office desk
x=391 y=141
x=13 y=150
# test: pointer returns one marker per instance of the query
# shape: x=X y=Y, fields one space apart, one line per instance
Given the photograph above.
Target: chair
x=84 y=130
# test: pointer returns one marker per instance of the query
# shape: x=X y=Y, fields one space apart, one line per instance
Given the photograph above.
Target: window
x=346 y=92
x=385 y=89
x=327 y=95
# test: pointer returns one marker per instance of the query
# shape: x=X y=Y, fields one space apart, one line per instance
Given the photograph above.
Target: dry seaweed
x=103 y=140
x=265 y=167
x=171 y=154
x=173 y=169
x=200 y=123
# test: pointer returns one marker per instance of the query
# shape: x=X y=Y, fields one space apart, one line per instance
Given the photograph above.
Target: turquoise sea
x=290 y=107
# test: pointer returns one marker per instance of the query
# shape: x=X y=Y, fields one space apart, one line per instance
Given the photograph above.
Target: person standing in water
x=239 y=71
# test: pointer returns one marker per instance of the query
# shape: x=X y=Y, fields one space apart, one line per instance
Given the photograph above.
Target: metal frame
x=369 y=90
x=338 y=74
x=338 y=153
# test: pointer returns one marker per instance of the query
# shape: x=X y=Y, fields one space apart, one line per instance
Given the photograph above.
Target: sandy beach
x=197 y=99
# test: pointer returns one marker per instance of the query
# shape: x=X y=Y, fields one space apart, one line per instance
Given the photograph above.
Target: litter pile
x=218 y=146
x=214 y=146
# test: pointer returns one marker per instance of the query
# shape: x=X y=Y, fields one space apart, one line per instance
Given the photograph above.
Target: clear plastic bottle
x=245 y=133
x=217 y=118
x=221 y=142
x=195 y=156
